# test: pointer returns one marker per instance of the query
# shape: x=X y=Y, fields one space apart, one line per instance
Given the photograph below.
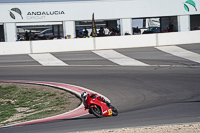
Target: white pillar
x=69 y=28
x=126 y=26
x=10 y=32
x=184 y=23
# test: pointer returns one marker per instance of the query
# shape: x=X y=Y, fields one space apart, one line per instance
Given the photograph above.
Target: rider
x=84 y=96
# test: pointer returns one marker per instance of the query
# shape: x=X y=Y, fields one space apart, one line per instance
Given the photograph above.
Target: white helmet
x=84 y=96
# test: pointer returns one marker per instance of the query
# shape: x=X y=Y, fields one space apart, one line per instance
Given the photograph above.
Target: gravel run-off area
x=182 y=128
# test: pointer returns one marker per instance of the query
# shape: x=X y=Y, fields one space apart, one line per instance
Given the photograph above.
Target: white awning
x=42 y=23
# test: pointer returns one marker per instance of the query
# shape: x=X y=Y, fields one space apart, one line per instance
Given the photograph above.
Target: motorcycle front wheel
x=114 y=111
x=96 y=111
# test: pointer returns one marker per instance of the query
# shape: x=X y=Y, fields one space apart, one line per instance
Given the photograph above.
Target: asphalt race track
x=165 y=92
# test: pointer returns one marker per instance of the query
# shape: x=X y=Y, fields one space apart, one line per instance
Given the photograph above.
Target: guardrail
x=98 y=43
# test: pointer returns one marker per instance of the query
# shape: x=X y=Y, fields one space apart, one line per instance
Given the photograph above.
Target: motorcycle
x=99 y=108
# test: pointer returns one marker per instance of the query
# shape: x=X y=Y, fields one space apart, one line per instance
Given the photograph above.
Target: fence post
x=157 y=43
x=31 y=47
x=94 y=43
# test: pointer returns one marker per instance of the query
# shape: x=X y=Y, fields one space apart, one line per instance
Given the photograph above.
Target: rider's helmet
x=84 y=96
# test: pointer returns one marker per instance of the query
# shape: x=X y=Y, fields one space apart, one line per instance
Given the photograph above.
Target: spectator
x=170 y=27
x=101 y=32
x=85 y=33
x=26 y=36
x=30 y=35
x=106 y=31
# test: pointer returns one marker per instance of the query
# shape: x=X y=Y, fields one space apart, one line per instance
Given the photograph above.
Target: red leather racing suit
x=92 y=95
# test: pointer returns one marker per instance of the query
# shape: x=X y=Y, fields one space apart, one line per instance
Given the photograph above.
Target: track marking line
x=180 y=52
x=119 y=58
x=47 y=60
x=191 y=66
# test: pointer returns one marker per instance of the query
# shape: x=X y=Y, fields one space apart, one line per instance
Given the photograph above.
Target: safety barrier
x=14 y=47
x=111 y=42
x=176 y=38
x=125 y=41
x=62 y=45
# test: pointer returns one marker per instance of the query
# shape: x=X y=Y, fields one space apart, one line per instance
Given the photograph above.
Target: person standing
x=26 y=36
x=101 y=32
x=106 y=31
x=30 y=35
x=170 y=27
x=86 y=33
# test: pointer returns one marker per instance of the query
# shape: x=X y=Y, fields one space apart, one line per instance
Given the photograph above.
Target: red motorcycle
x=99 y=108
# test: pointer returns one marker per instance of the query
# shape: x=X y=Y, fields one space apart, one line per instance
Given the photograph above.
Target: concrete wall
x=126 y=26
x=114 y=42
x=178 y=38
x=14 y=48
x=62 y=45
x=10 y=32
x=128 y=41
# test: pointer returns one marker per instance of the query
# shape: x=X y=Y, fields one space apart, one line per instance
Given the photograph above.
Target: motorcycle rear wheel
x=114 y=111
x=96 y=111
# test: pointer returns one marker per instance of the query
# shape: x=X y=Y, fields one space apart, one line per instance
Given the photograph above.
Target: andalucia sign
x=188 y=4
x=16 y=12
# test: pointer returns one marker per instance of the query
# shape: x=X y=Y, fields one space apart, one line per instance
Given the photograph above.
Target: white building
x=67 y=18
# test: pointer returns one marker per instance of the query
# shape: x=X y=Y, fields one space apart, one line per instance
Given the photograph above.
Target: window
x=39 y=31
x=2 y=39
x=84 y=28
x=195 y=22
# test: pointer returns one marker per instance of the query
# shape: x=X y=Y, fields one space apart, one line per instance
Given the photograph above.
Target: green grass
x=12 y=97
x=7 y=110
